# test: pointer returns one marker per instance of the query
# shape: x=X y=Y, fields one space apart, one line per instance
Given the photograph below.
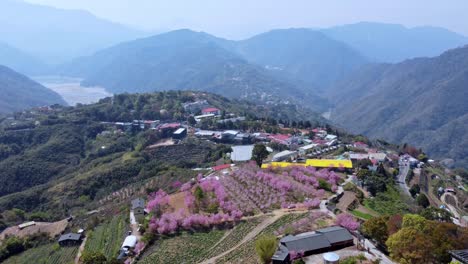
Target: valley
x=227 y=132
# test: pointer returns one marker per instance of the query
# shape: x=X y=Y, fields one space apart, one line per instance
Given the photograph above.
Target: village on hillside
x=310 y=189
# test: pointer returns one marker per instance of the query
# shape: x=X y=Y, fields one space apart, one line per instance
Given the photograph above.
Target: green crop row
x=46 y=254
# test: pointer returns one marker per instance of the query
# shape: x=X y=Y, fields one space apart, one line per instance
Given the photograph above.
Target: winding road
x=403 y=173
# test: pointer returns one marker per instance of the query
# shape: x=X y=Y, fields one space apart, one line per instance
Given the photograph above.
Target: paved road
x=452 y=208
x=404 y=170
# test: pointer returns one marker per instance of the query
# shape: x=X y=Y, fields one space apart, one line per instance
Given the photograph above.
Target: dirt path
x=270 y=220
x=80 y=251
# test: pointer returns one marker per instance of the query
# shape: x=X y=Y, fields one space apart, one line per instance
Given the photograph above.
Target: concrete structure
x=241 y=153
x=331 y=258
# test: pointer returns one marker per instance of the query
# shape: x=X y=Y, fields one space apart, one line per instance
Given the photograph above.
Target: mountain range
x=187 y=60
x=395 y=43
x=20 y=61
x=19 y=92
x=420 y=101
x=56 y=35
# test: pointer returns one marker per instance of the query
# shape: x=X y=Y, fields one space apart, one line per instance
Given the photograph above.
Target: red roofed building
x=169 y=126
x=211 y=111
x=279 y=138
x=221 y=167
x=360 y=145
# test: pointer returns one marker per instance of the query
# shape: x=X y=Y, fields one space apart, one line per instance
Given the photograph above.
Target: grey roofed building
x=70 y=236
x=335 y=234
x=306 y=243
x=138 y=203
x=322 y=240
x=460 y=255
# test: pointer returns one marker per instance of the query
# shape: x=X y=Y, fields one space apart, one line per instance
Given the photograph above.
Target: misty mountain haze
x=395 y=43
x=56 y=35
x=273 y=132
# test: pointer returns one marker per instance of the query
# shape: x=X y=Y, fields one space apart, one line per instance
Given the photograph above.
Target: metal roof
x=241 y=153
x=336 y=234
x=306 y=243
x=70 y=236
x=460 y=255
x=138 y=203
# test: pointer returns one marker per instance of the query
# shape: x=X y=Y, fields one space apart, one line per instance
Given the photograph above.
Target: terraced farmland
x=184 y=249
x=46 y=254
x=234 y=237
x=108 y=237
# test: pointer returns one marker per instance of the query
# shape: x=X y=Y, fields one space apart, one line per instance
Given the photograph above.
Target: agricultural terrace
x=225 y=199
x=108 y=237
x=50 y=253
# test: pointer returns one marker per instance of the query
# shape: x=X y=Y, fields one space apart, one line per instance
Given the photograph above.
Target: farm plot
x=185 y=248
x=234 y=237
x=50 y=254
x=246 y=252
x=256 y=190
x=108 y=237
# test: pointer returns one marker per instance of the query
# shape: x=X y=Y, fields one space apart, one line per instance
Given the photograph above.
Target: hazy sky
x=240 y=18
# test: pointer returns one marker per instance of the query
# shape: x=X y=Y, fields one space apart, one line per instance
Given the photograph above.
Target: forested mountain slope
x=186 y=60
x=19 y=92
x=419 y=101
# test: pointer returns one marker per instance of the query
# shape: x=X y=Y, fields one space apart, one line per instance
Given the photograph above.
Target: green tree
x=414 y=221
x=266 y=246
x=415 y=189
x=409 y=245
x=376 y=228
x=436 y=214
x=422 y=200
x=363 y=174
x=259 y=153
x=191 y=120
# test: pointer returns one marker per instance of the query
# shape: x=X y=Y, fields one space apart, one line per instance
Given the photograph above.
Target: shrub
x=265 y=246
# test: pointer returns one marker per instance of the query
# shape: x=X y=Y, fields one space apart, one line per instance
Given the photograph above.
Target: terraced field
x=246 y=252
x=46 y=254
x=183 y=249
x=108 y=237
x=234 y=237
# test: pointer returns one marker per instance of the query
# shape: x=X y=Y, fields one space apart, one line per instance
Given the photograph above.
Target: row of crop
x=234 y=237
x=50 y=254
x=246 y=252
x=107 y=238
x=184 y=248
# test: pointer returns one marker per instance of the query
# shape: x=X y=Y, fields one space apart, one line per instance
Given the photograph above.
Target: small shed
x=180 y=133
x=27 y=224
x=70 y=239
x=138 y=208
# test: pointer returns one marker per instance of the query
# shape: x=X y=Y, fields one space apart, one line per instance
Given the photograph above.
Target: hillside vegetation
x=61 y=159
x=420 y=101
x=19 y=92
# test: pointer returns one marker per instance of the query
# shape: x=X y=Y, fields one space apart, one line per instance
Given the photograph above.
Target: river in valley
x=71 y=90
